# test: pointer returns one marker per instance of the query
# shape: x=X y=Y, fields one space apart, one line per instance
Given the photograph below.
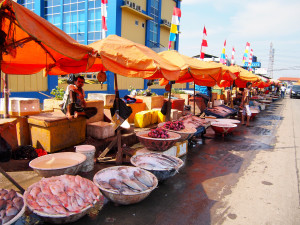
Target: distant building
x=289 y=79
x=147 y=22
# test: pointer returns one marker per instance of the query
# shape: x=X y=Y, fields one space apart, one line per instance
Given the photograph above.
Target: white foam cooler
x=89 y=152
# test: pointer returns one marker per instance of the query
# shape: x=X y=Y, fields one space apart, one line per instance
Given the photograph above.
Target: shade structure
x=130 y=59
x=30 y=43
x=244 y=77
x=193 y=70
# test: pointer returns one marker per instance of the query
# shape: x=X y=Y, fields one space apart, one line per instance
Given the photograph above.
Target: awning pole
x=119 y=156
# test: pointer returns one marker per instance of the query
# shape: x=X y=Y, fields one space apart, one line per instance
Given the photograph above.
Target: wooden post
x=168 y=116
x=6 y=100
x=194 y=98
x=119 y=155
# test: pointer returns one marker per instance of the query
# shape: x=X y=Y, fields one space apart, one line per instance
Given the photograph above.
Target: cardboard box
x=152 y=101
x=100 y=130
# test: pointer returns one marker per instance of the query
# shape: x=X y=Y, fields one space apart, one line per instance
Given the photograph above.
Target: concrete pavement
x=268 y=190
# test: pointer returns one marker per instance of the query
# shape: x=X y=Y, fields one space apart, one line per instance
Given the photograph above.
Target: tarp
x=193 y=70
x=130 y=59
x=31 y=42
x=244 y=77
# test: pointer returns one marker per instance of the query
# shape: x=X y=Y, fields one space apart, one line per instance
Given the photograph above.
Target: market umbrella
x=244 y=77
x=192 y=70
x=29 y=43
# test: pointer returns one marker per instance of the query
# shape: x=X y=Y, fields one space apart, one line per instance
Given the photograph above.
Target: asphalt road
x=248 y=177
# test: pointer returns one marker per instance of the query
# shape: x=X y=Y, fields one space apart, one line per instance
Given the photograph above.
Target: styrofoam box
x=22 y=106
x=100 y=130
x=107 y=98
x=178 y=150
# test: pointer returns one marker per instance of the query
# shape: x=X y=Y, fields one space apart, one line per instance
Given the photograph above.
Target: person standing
x=283 y=89
x=245 y=104
x=74 y=104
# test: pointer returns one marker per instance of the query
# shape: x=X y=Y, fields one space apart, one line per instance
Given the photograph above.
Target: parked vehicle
x=295 y=91
x=288 y=89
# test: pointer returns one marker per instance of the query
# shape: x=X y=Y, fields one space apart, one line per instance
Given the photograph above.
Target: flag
x=204 y=44
x=246 y=52
x=223 y=57
x=232 y=56
x=104 y=16
x=175 y=22
x=250 y=60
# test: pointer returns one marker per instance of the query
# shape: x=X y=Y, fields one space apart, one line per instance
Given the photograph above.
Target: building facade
x=143 y=21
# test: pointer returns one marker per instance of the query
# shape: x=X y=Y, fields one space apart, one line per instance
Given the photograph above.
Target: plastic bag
x=5 y=150
x=124 y=110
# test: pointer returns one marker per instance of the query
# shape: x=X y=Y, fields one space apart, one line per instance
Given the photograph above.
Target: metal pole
x=119 y=156
x=6 y=100
x=168 y=116
x=12 y=180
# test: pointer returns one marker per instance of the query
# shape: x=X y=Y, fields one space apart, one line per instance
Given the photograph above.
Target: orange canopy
x=244 y=77
x=193 y=70
x=32 y=42
x=131 y=59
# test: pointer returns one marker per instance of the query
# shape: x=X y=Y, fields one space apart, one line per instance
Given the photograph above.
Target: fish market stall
x=220 y=111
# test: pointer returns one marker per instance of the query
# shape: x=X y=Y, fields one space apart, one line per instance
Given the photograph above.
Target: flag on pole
x=204 y=44
x=175 y=22
x=223 y=57
x=250 y=60
x=104 y=16
x=232 y=56
x=246 y=52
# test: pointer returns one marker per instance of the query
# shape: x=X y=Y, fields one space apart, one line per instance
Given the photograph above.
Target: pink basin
x=223 y=128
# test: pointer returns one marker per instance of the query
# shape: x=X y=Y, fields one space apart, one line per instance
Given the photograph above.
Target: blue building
x=143 y=21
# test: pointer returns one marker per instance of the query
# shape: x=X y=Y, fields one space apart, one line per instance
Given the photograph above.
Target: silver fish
x=132 y=184
x=143 y=178
x=105 y=185
x=115 y=183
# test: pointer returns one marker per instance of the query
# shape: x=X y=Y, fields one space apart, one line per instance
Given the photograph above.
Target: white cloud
x=267 y=19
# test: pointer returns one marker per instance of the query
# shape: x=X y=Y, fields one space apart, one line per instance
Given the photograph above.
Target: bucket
x=89 y=152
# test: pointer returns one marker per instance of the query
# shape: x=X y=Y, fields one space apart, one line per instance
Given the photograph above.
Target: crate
x=108 y=99
x=199 y=105
x=160 y=117
x=142 y=119
x=53 y=131
x=152 y=101
x=177 y=103
x=51 y=104
x=22 y=106
x=100 y=130
x=183 y=96
x=23 y=133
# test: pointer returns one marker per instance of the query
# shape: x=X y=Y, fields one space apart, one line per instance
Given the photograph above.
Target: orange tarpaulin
x=31 y=42
x=244 y=77
x=193 y=70
x=130 y=59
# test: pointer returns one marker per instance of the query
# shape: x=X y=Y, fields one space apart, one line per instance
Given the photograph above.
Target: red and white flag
x=204 y=44
x=250 y=60
x=104 y=16
x=232 y=56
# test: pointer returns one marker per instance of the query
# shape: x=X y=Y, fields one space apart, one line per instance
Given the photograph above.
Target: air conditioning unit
x=163 y=21
x=127 y=3
x=133 y=5
x=138 y=8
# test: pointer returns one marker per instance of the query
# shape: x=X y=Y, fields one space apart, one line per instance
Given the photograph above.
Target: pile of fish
x=63 y=194
x=156 y=161
x=124 y=180
x=10 y=205
x=191 y=121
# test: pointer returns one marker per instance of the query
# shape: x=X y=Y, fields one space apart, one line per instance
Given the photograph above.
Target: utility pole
x=271 y=61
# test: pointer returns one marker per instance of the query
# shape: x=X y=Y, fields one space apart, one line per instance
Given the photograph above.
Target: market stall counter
x=220 y=111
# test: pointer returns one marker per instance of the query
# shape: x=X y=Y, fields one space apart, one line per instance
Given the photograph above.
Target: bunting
x=232 y=56
x=246 y=52
x=204 y=44
x=175 y=22
x=104 y=16
x=250 y=60
x=223 y=57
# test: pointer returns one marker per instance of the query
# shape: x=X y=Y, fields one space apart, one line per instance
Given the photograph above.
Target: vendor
x=74 y=104
x=245 y=104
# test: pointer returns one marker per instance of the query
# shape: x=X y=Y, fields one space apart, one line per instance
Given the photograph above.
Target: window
x=153 y=31
x=29 y=4
x=94 y=21
x=52 y=12
x=137 y=22
x=143 y=25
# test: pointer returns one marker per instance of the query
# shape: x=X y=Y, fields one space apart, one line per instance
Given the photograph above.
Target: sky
x=260 y=22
